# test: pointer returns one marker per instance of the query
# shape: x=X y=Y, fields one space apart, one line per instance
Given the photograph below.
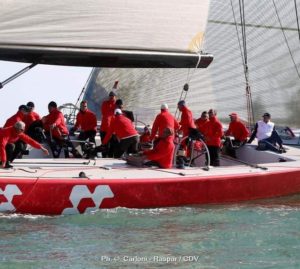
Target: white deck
x=118 y=169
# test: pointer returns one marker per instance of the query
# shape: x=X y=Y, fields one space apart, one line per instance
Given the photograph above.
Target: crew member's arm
x=27 y=139
x=154 y=129
x=109 y=133
x=3 y=143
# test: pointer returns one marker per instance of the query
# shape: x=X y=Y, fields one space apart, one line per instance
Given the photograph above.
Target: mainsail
x=115 y=33
x=271 y=44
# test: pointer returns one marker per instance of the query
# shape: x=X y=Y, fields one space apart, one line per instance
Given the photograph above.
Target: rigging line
x=238 y=36
x=245 y=36
x=187 y=83
x=242 y=28
x=249 y=101
x=286 y=41
x=21 y=72
x=296 y=10
x=73 y=111
x=195 y=68
x=242 y=16
x=254 y=25
x=84 y=87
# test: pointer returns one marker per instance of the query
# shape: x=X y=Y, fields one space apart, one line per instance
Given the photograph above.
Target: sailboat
x=153 y=48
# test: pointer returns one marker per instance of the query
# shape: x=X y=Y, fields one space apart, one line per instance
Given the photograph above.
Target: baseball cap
x=112 y=93
x=267 y=115
x=233 y=114
x=164 y=106
x=118 y=111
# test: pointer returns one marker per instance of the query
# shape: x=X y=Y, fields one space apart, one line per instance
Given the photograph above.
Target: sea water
x=255 y=235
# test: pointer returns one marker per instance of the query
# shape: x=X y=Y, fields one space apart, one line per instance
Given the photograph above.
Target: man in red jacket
x=19 y=116
x=187 y=126
x=57 y=132
x=240 y=133
x=31 y=116
x=162 y=121
x=213 y=132
x=54 y=122
x=124 y=130
x=107 y=112
x=8 y=149
x=186 y=122
x=32 y=121
x=200 y=123
x=86 y=121
x=162 y=154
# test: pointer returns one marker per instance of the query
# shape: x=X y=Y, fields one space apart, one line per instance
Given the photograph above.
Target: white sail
x=273 y=52
x=79 y=27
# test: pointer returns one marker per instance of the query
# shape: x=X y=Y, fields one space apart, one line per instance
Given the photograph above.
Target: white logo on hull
x=80 y=192
x=9 y=192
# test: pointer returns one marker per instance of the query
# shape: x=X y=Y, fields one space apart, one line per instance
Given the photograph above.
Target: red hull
x=64 y=196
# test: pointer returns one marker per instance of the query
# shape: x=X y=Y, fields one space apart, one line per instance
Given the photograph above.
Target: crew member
x=54 y=122
x=162 y=121
x=200 y=123
x=266 y=135
x=8 y=149
x=145 y=136
x=19 y=116
x=240 y=133
x=124 y=130
x=161 y=155
x=186 y=122
x=32 y=121
x=213 y=132
x=57 y=132
x=126 y=113
x=107 y=112
x=163 y=152
x=86 y=121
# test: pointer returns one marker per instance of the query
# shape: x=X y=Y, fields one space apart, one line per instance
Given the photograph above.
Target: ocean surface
x=251 y=235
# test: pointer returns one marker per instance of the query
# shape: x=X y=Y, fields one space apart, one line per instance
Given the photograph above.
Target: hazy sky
x=42 y=84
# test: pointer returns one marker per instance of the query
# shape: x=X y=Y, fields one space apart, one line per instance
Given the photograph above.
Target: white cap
x=19 y=125
x=164 y=106
x=118 y=111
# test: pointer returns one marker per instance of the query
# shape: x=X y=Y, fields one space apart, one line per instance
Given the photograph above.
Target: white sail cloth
x=158 y=25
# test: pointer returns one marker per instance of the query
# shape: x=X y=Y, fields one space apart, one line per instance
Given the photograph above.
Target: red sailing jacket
x=145 y=138
x=162 y=152
x=57 y=118
x=19 y=116
x=107 y=110
x=86 y=120
x=200 y=123
x=213 y=131
x=121 y=126
x=30 y=118
x=186 y=121
x=9 y=135
x=163 y=120
x=238 y=130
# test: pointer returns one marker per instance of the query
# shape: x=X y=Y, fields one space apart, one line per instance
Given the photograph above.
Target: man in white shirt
x=266 y=135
